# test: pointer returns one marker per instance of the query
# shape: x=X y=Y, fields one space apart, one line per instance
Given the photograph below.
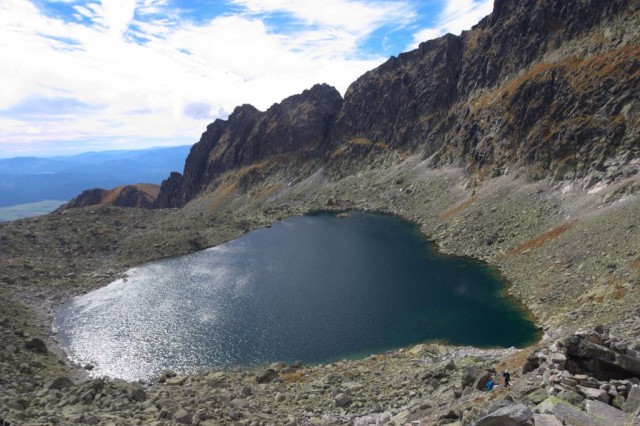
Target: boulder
x=613 y=416
x=177 y=381
x=599 y=394
x=633 y=400
x=558 y=359
x=546 y=420
x=585 y=356
x=571 y=396
x=267 y=376
x=513 y=415
x=139 y=395
x=183 y=417
x=36 y=345
x=59 y=383
x=547 y=406
x=574 y=416
x=343 y=400
x=468 y=378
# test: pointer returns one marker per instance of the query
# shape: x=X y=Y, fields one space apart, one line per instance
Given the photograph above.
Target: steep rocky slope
x=137 y=195
x=547 y=87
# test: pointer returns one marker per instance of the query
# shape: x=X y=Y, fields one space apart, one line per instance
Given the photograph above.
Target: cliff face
x=547 y=87
x=138 y=195
x=298 y=127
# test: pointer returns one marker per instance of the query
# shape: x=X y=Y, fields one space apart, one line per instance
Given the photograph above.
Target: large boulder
x=598 y=360
x=36 y=345
x=267 y=376
x=513 y=415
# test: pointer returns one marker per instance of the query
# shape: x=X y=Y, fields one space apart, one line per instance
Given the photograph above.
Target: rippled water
x=311 y=288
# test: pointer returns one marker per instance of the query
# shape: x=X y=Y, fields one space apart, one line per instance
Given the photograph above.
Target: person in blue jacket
x=489 y=385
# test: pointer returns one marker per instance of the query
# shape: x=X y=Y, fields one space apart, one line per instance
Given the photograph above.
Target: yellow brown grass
x=451 y=212
x=540 y=240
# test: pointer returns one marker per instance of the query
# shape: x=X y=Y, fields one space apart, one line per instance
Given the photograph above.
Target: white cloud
x=457 y=16
x=356 y=17
x=160 y=88
x=117 y=14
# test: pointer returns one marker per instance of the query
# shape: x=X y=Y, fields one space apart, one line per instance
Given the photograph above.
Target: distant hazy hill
x=136 y=195
x=32 y=179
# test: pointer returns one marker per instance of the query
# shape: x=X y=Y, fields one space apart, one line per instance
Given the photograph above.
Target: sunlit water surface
x=311 y=288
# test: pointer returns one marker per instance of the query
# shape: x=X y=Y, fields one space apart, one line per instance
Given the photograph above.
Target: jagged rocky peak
x=298 y=126
x=137 y=195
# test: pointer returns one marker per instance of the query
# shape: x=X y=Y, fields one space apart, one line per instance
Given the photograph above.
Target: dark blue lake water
x=311 y=288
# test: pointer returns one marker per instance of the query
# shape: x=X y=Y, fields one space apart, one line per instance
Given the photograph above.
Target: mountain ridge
x=499 y=97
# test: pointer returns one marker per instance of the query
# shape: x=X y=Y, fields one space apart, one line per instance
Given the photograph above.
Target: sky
x=78 y=76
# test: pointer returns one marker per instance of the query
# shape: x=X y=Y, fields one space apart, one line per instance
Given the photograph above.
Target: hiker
x=507 y=377
x=489 y=385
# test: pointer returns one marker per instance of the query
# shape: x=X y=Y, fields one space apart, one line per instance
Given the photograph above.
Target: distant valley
x=27 y=180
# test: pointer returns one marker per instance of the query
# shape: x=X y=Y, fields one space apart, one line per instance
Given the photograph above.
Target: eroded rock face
x=297 y=127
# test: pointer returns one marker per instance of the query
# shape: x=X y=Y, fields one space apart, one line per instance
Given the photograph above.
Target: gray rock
x=599 y=394
x=513 y=415
x=139 y=395
x=278 y=366
x=183 y=417
x=88 y=396
x=604 y=411
x=571 y=396
x=535 y=396
x=267 y=376
x=546 y=420
x=36 y=345
x=585 y=354
x=572 y=416
x=633 y=400
x=59 y=383
x=343 y=400
x=468 y=378
x=558 y=359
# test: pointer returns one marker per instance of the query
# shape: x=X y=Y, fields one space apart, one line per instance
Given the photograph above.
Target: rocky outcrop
x=298 y=127
x=547 y=87
x=139 y=195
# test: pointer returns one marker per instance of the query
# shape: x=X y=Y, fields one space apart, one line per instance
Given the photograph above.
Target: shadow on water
x=313 y=288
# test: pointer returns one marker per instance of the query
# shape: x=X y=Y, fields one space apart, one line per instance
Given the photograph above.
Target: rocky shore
x=570 y=256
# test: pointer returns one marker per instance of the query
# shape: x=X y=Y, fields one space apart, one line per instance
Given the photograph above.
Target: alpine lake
x=315 y=288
